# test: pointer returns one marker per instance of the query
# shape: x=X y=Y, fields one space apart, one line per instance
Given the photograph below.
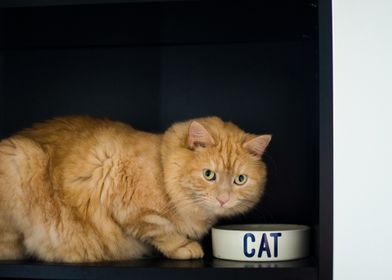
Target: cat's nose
x=223 y=198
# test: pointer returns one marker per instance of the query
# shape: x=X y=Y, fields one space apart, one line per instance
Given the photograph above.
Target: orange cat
x=80 y=189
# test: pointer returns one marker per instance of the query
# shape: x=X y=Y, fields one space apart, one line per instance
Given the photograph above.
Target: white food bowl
x=261 y=242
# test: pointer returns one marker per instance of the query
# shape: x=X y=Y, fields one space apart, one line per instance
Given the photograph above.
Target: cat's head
x=214 y=165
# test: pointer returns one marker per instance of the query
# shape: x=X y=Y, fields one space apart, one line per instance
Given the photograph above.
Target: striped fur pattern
x=82 y=189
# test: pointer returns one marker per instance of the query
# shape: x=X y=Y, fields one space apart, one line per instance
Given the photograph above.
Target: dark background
x=254 y=63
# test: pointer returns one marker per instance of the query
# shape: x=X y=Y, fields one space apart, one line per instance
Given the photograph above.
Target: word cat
x=250 y=239
x=82 y=189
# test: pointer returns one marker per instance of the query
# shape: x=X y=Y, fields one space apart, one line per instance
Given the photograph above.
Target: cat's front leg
x=163 y=235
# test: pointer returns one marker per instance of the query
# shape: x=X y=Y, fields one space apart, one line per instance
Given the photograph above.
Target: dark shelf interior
x=152 y=63
x=157 y=23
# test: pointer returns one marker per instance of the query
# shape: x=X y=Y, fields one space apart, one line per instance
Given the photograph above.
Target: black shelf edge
x=43 y=3
x=326 y=141
x=153 y=268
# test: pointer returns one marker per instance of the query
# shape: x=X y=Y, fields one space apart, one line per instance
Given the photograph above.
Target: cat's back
x=62 y=137
x=65 y=131
x=87 y=153
x=74 y=143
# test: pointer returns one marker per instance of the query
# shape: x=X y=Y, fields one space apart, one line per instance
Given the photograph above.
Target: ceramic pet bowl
x=261 y=242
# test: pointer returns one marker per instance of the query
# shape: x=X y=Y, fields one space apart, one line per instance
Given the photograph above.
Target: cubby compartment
x=152 y=63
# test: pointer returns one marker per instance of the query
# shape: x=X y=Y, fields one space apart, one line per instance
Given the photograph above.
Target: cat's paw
x=192 y=250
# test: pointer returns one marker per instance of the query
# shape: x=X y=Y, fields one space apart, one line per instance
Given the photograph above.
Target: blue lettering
x=275 y=235
x=253 y=239
x=264 y=246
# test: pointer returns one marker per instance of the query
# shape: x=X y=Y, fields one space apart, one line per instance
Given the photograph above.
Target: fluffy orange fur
x=80 y=189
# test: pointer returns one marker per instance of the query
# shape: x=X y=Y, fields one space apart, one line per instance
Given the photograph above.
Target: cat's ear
x=258 y=144
x=198 y=136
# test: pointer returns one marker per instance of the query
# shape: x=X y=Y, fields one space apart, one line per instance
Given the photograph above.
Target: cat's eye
x=240 y=179
x=209 y=175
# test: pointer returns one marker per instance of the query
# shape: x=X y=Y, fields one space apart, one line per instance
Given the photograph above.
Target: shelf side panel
x=326 y=142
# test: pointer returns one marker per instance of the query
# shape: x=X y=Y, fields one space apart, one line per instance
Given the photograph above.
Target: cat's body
x=81 y=189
